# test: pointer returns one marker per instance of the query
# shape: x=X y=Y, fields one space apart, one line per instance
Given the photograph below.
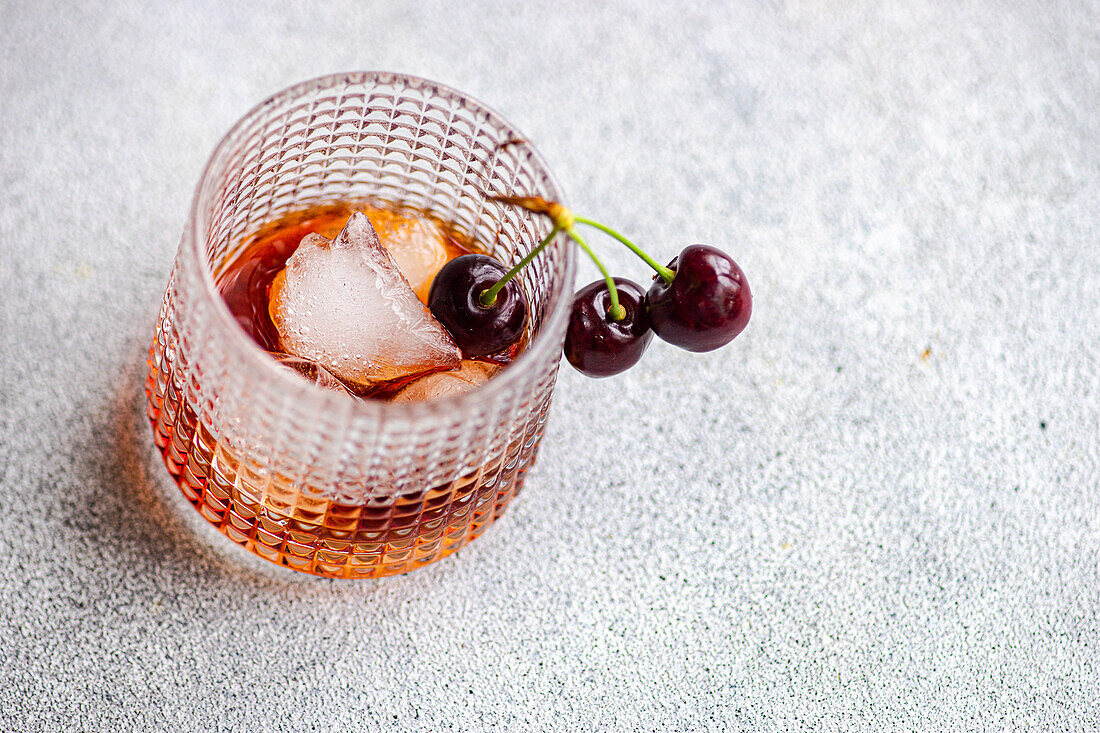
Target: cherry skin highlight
x=478 y=330
x=598 y=346
x=707 y=303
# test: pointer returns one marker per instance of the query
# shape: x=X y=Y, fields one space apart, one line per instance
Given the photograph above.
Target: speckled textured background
x=878 y=509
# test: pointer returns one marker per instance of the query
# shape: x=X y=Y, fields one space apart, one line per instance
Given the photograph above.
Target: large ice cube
x=471 y=374
x=345 y=305
x=416 y=245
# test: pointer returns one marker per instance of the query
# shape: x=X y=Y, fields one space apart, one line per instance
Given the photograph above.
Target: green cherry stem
x=616 y=312
x=666 y=274
x=489 y=296
x=563 y=220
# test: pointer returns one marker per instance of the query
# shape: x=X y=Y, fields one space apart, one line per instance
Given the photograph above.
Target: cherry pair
x=699 y=302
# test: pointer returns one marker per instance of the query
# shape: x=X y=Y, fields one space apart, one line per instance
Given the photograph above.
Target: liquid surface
x=245 y=282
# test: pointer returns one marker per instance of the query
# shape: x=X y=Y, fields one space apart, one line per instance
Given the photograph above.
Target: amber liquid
x=274 y=518
x=245 y=283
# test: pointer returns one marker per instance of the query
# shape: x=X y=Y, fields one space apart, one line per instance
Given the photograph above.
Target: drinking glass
x=315 y=480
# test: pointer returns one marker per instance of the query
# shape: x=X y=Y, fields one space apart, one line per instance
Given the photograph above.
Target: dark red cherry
x=706 y=305
x=598 y=346
x=477 y=329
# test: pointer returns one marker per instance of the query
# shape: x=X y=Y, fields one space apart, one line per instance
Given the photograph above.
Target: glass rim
x=243 y=347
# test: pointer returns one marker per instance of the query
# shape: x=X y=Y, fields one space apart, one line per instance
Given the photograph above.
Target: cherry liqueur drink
x=385 y=455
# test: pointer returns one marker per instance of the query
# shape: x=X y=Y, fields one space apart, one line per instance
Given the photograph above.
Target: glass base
x=279 y=522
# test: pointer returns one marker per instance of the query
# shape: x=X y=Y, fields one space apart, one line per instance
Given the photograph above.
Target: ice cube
x=312 y=371
x=416 y=245
x=471 y=374
x=345 y=305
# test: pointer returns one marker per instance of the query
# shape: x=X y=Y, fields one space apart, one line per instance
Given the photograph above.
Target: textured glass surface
x=315 y=480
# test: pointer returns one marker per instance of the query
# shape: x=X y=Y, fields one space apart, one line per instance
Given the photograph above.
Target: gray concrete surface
x=877 y=510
